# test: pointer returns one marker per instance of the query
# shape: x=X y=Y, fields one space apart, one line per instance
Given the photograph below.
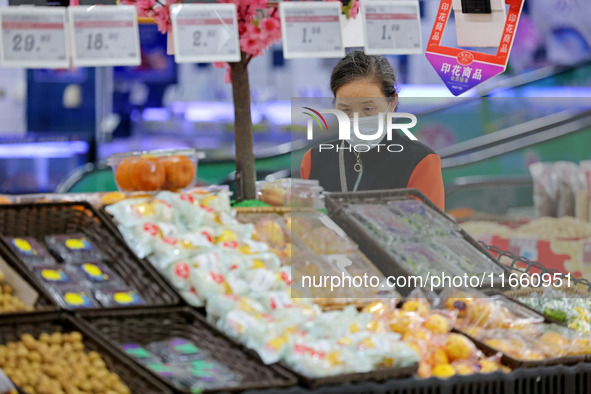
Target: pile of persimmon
x=150 y=173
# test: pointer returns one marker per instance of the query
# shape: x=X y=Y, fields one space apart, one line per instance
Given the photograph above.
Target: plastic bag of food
x=545 y=189
x=583 y=203
x=74 y=248
x=30 y=251
x=569 y=182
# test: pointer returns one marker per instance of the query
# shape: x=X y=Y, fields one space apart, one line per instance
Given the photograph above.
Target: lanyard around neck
x=343 y=173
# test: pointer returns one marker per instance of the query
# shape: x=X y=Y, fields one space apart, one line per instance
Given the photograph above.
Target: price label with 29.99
x=311 y=29
x=33 y=37
x=104 y=36
x=392 y=27
x=205 y=33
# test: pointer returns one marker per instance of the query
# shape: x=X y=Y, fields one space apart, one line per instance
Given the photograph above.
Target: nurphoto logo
x=362 y=133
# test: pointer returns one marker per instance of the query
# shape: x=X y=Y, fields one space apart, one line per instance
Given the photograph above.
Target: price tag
x=104 y=36
x=392 y=27
x=205 y=33
x=34 y=37
x=311 y=29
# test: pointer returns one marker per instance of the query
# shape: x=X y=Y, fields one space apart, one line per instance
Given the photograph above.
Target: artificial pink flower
x=270 y=25
x=171 y=2
x=354 y=10
x=219 y=64
x=228 y=75
x=162 y=18
x=144 y=7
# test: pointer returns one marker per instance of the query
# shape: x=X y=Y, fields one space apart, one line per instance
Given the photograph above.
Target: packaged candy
x=175 y=375
x=421 y=259
x=177 y=350
x=422 y=217
x=467 y=258
x=73 y=297
x=54 y=275
x=30 y=251
x=477 y=310
x=97 y=274
x=139 y=353
x=320 y=234
x=381 y=223
x=209 y=374
x=74 y=248
x=220 y=305
x=121 y=296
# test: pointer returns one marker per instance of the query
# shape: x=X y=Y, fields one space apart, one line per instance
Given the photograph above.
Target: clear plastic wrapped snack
x=177 y=350
x=74 y=248
x=30 y=251
x=73 y=297
x=118 y=296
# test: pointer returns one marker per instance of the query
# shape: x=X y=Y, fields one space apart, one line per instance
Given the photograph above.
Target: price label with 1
x=33 y=37
x=104 y=36
x=311 y=29
x=392 y=28
x=205 y=33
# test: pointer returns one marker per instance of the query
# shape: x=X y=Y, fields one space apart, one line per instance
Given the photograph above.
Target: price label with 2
x=205 y=33
x=392 y=27
x=104 y=36
x=311 y=29
x=34 y=37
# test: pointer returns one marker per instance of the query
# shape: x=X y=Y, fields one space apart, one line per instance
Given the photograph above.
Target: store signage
x=461 y=69
x=205 y=33
x=33 y=37
x=392 y=27
x=311 y=29
x=104 y=36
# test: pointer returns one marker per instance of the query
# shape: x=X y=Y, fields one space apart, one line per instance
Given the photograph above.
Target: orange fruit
x=123 y=174
x=147 y=174
x=180 y=171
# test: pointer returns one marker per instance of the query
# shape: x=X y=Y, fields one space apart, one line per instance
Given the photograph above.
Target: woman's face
x=361 y=96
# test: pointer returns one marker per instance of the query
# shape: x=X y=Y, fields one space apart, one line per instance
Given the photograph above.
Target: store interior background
x=58 y=126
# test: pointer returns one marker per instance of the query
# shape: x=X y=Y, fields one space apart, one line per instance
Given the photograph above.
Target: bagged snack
x=209 y=374
x=583 y=198
x=73 y=297
x=177 y=350
x=139 y=353
x=569 y=182
x=30 y=251
x=73 y=248
x=422 y=217
x=53 y=275
x=119 y=296
x=545 y=189
x=97 y=274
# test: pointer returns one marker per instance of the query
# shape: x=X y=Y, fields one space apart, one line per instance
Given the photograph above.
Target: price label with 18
x=104 y=35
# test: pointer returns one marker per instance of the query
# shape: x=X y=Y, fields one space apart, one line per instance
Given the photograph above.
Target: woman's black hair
x=357 y=65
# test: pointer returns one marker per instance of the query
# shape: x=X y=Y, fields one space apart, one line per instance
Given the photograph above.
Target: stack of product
x=9 y=302
x=182 y=364
x=513 y=329
x=422 y=241
x=212 y=259
x=81 y=279
x=57 y=363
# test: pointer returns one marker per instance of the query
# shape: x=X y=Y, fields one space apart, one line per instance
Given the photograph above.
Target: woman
x=366 y=85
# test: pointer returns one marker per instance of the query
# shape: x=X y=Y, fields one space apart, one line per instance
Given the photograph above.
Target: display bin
x=37 y=323
x=144 y=326
x=44 y=301
x=40 y=220
x=557 y=379
x=386 y=261
x=338 y=381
